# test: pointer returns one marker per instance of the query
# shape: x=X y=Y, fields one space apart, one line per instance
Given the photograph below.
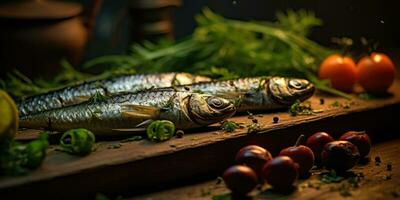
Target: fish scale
x=126 y=111
x=113 y=86
x=256 y=93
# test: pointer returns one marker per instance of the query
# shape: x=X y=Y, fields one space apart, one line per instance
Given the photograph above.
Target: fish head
x=206 y=109
x=287 y=90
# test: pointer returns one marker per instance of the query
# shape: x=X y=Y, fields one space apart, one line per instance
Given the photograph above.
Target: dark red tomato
x=317 y=142
x=376 y=73
x=360 y=139
x=240 y=179
x=253 y=156
x=281 y=172
x=302 y=155
x=340 y=155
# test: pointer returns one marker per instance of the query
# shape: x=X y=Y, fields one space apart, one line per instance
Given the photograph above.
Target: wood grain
x=142 y=166
x=374 y=185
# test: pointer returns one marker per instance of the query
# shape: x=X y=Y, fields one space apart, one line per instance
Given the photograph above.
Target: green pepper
x=160 y=130
x=36 y=151
x=77 y=141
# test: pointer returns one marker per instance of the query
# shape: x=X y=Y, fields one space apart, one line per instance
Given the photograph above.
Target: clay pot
x=152 y=19
x=36 y=35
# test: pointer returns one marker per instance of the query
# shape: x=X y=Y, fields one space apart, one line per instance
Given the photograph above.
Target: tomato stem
x=299 y=140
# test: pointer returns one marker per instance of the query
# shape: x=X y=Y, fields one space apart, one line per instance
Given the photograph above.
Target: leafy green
x=299 y=22
x=229 y=126
x=224 y=49
x=299 y=108
x=16 y=158
x=220 y=48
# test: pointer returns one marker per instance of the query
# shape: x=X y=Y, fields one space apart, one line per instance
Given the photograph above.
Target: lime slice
x=8 y=117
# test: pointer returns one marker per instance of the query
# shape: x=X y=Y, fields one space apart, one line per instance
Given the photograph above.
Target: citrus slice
x=8 y=117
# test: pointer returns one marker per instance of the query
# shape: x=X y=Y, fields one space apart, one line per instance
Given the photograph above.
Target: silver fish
x=124 y=113
x=258 y=93
x=113 y=86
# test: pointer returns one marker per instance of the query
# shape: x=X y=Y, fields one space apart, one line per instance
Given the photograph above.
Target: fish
x=127 y=113
x=255 y=93
x=112 y=86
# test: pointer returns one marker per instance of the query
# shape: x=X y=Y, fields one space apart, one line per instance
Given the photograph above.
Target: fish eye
x=216 y=102
x=297 y=84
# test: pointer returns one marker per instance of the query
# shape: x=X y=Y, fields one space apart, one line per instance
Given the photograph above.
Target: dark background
x=373 y=19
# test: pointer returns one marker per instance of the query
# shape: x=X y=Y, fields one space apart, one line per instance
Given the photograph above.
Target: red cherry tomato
x=376 y=73
x=340 y=70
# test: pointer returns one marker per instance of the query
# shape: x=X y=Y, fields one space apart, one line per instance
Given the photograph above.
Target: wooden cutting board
x=121 y=168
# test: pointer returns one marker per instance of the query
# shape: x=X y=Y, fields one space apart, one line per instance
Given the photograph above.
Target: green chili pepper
x=77 y=141
x=160 y=130
x=36 y=151
x=16 y=158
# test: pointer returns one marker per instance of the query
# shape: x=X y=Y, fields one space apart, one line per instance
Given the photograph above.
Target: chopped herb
x=331 y=177
x=180 y=133
x=299 y=108
x=275 y=120
x=98 y=97
x=335 y=104
x=198 y=91
x=367 y=96
x=169 y=104
x=133 y=138
x=238 y=101
x=345 y=188
x=253 y=128
x=229 y=126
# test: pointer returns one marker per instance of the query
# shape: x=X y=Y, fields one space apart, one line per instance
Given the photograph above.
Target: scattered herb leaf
x=253 y=128
x=229 y=126
x=133 y=138
x=299 y=108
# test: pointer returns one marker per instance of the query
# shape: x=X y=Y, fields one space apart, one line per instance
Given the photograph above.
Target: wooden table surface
x=141 y=166
x=378 y=183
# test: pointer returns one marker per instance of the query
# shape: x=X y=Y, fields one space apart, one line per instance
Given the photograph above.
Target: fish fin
x=229 y=94
x=144 y=123
x=129 y=129
x=139 y=111
x=78 y=100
